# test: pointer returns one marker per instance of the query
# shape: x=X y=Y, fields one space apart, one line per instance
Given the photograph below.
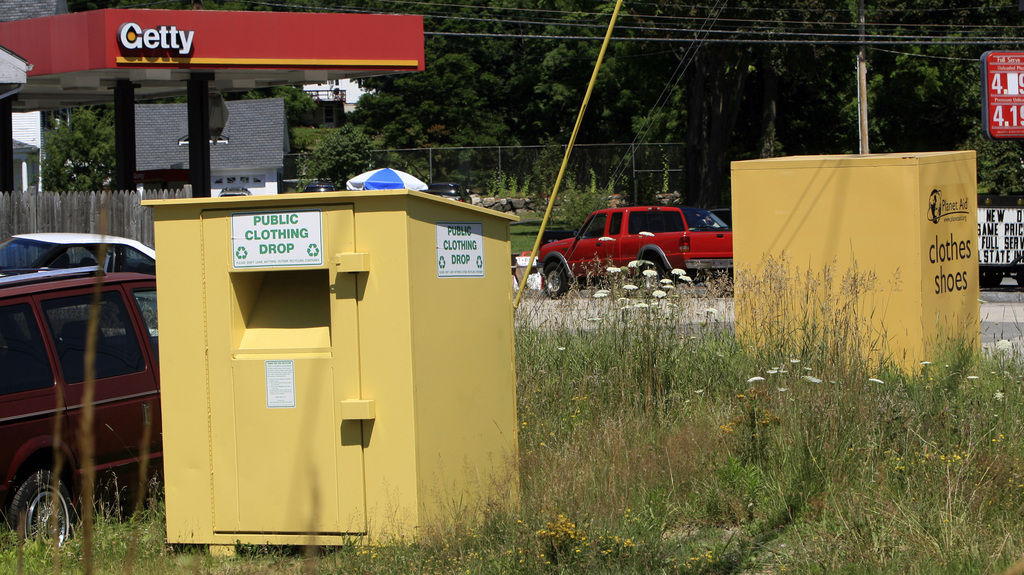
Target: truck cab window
x=595 y=228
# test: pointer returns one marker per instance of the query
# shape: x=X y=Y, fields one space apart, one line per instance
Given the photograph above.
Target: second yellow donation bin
x=887 y=242
x=333 y=365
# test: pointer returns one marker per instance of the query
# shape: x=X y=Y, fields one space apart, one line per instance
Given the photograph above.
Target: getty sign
x=131 y=36
x=276 y=239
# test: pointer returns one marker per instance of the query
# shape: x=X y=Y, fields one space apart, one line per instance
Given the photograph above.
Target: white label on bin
x=274 y=239
x=460 y=250
x=280 y=383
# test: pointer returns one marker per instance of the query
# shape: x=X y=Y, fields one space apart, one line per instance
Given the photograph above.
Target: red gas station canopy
x=77 y=58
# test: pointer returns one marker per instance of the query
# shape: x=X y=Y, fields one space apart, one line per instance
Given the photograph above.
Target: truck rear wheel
x=556 y=279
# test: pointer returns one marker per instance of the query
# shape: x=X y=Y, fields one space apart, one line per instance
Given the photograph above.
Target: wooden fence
x=28 y=212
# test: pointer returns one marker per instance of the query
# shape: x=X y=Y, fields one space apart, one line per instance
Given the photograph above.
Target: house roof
x=256 y=134
x=23 y=9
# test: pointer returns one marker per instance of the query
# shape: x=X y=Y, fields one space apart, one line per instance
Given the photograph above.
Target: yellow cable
x=568 y=150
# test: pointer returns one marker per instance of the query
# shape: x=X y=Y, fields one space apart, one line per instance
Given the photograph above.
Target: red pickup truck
x=669 y=237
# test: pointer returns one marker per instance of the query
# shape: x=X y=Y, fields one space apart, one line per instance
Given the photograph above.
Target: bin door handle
x=352 y=262
x=358 y=409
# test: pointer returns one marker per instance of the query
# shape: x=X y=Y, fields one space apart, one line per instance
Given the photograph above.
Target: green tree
x=78 y=154
x=341 y=153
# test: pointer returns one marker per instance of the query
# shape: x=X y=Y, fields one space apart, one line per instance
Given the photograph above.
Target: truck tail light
x=684 y=244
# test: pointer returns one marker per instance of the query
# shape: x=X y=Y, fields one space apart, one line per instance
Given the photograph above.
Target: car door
x=28 y=402
x=590 y=251
x=125 y=389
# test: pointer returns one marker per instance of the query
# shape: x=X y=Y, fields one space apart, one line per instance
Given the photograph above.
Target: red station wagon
x=44 y=319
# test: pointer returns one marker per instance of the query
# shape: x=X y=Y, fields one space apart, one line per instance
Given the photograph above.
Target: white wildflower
x=658 y=293
x=686 y=279
x=678 y=272
x=634 y=264
x=561 y=349
x=755 y=379
x=972 y=377
x=998 y=396
x=810 y=379
x=612 y=270
x=1003 y=346
x=650 y=273
x=926 y=363
x=794 y=360
x=630 y=287
x=875 y=380
x=782 y=389
x=772 y=371
x=641 y=305
x=594 y=319
x=666 y=281
x=712 y=312
x=699 y=391
x=622 y=300
x=600 y=294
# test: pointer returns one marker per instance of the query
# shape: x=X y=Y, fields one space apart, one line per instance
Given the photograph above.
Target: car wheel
x=556 y=280
x=34 y=502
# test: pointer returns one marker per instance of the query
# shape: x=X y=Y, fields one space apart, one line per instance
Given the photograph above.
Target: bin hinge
x=358 y=409
x=352 y=262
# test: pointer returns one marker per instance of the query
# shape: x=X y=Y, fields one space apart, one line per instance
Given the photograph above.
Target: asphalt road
x=1002 y=312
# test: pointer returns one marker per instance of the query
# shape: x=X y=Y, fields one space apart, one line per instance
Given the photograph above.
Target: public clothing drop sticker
x=460 y=250
x=272 y=239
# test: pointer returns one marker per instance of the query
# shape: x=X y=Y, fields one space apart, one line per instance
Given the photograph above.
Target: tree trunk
x=769 y=98
x=715 y=93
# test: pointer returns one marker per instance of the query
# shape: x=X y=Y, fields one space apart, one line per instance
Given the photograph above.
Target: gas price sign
x=1002 y=83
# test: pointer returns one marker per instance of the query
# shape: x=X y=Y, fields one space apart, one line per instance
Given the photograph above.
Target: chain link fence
x=637 y=173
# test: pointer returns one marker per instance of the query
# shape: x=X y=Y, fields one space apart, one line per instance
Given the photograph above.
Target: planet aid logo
x=943 y=210
x=132 y=37
x=950 y=255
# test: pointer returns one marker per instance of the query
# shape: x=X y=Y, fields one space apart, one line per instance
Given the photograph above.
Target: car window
x=655 y=222
x=136 y=261
x=22 y=253
x=23 y=360
x=117 y=347
x=703 y=220
x=73 y=257
x=615 y=224
x=146 y=300
x=595 y=228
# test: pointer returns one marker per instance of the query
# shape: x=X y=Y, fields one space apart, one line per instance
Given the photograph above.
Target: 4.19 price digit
x=1013 y=117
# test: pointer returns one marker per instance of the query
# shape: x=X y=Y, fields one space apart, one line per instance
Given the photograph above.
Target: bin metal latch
x=358 y=409
x=352 y=262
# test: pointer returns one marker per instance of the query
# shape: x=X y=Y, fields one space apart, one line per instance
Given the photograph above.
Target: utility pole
x=862 y=84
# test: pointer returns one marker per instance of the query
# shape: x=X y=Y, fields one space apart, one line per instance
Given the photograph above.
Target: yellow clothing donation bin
x=891 y=238
x=333 y=366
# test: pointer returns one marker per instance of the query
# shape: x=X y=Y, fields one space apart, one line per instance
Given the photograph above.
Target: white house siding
x=26 y=127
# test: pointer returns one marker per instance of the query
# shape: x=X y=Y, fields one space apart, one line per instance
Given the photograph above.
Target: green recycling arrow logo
x=440 y=263
x=479 y=261
x=241 y=253
x=313 y=250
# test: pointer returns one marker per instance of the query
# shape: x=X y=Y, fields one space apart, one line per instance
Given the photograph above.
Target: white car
x=58 y=251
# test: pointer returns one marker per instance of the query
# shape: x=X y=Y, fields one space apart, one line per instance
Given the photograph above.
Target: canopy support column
x=6 y=145
x=124 y=135
x=199 y=133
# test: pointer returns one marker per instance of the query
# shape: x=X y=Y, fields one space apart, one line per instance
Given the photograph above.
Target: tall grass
x=653 y=440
